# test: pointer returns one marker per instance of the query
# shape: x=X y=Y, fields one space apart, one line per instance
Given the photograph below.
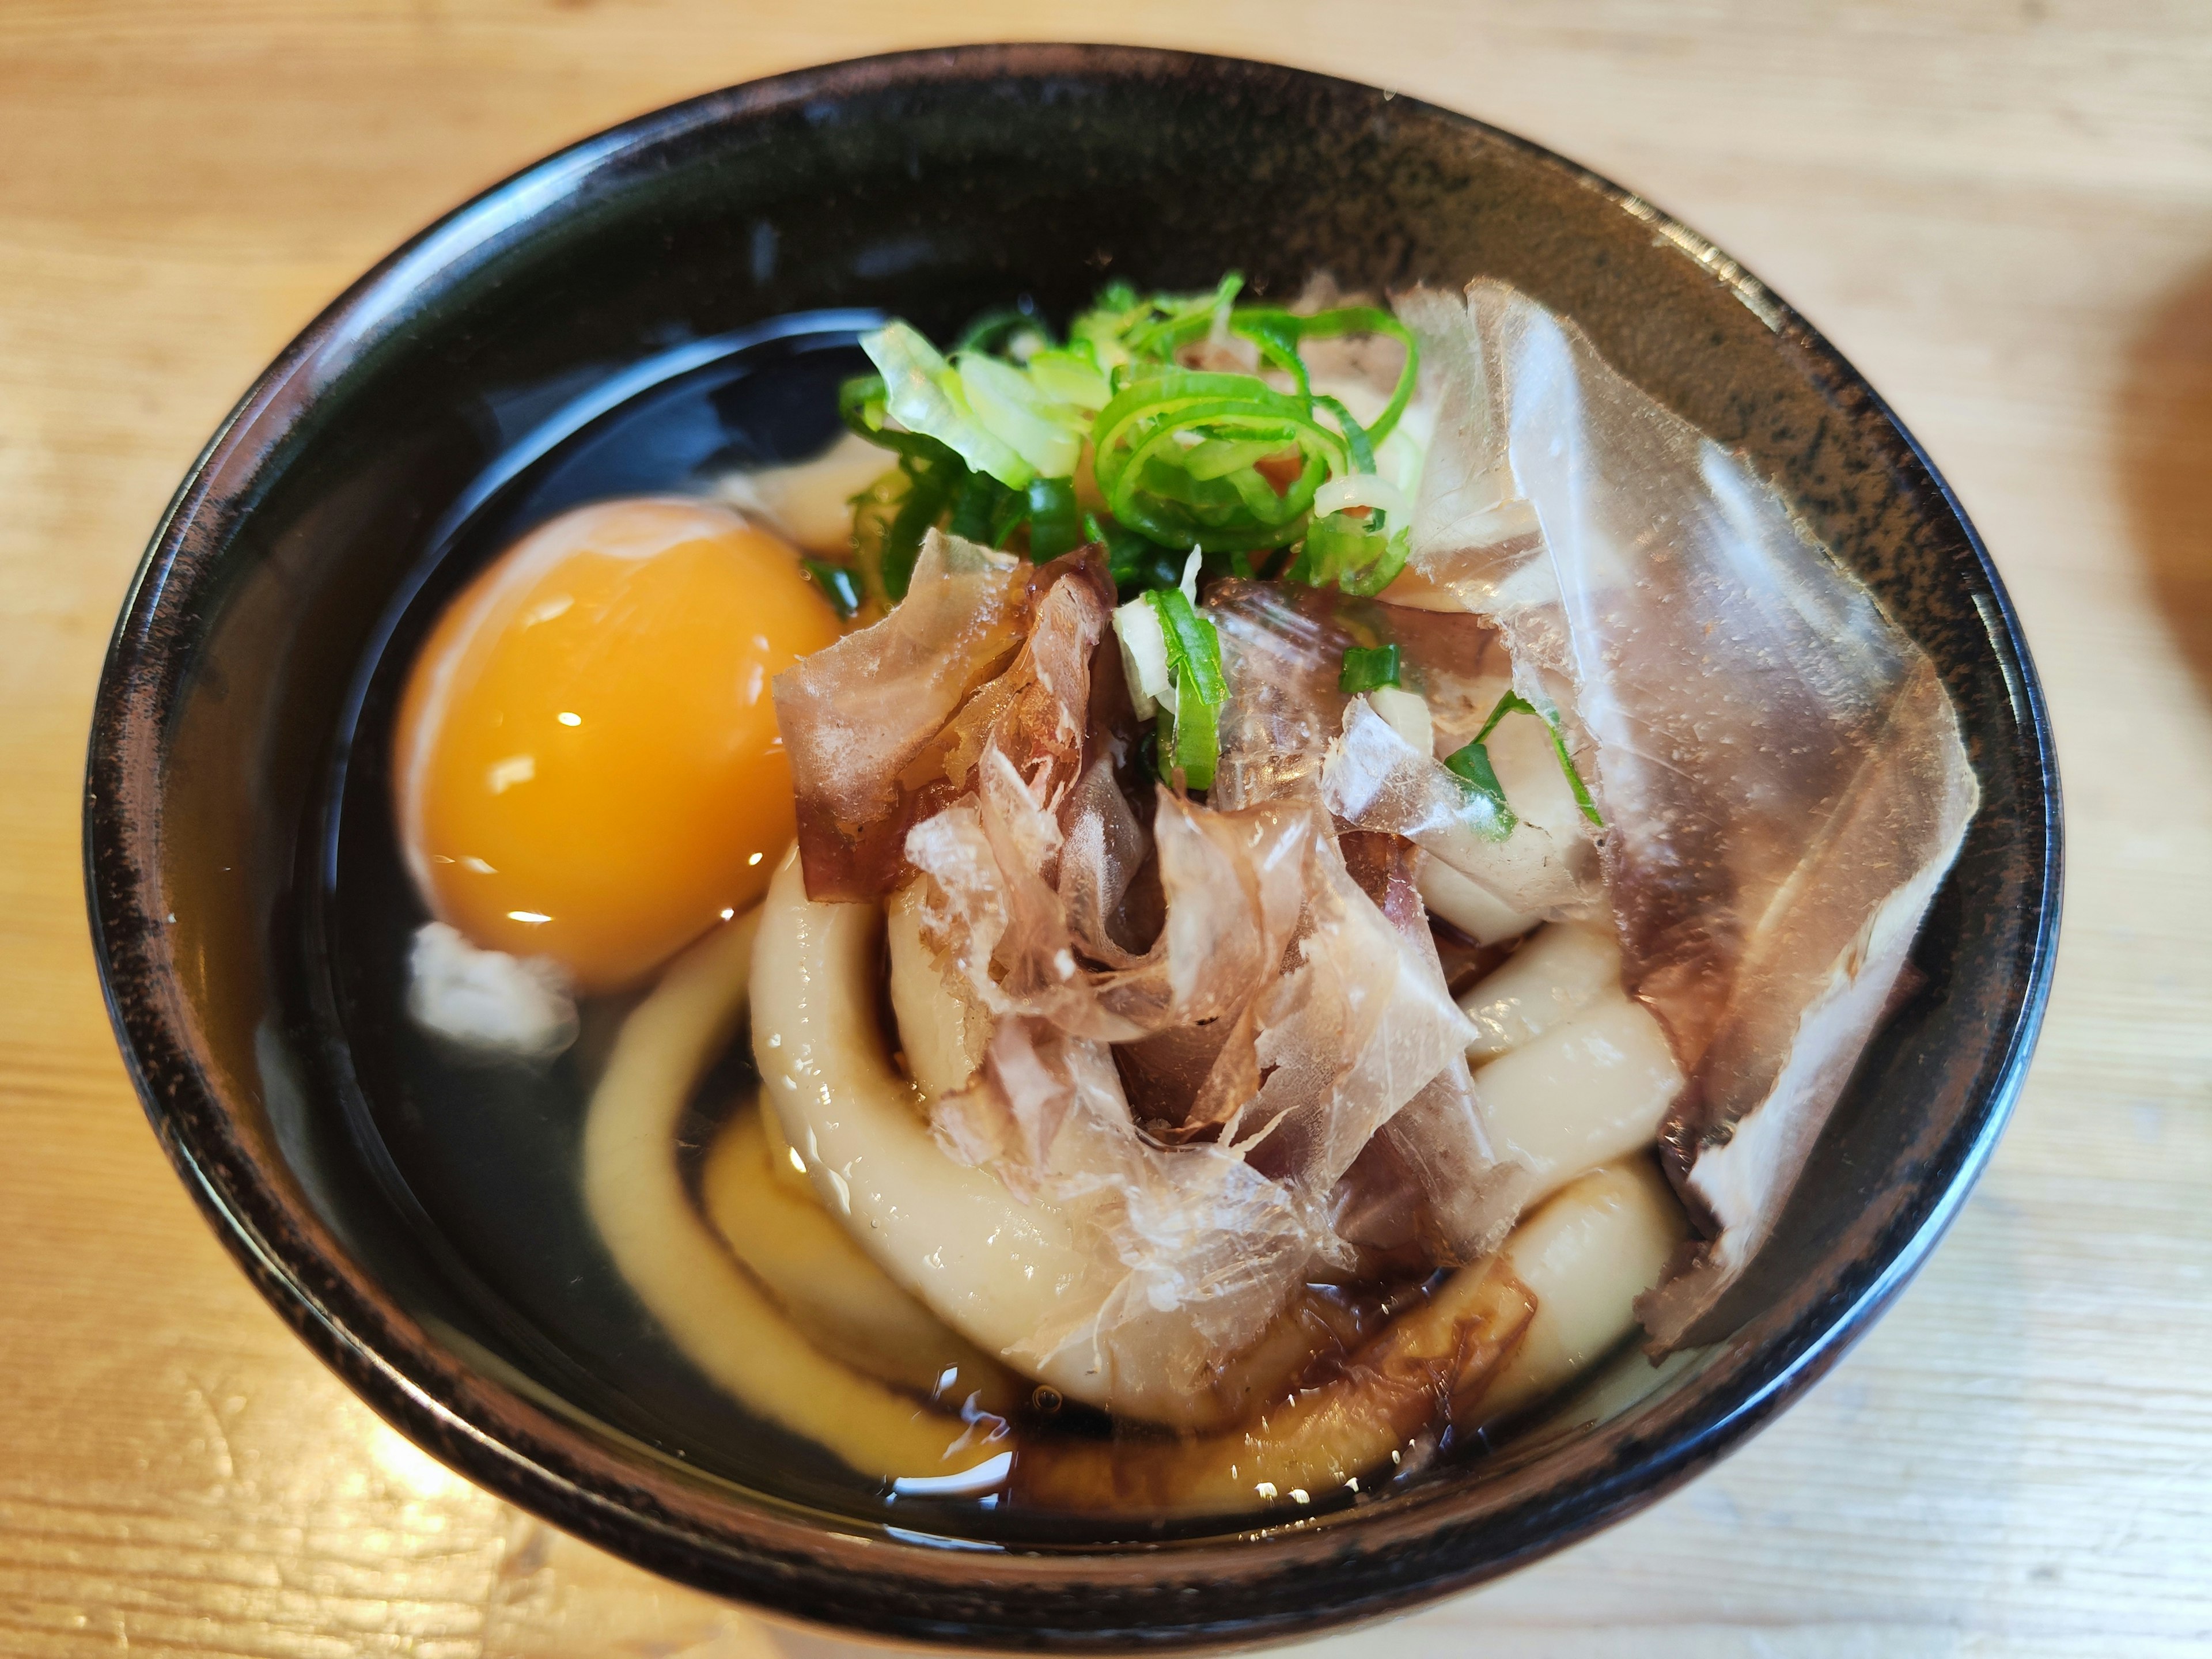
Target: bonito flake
x=1285 y=720
x=890 y=724
x=1273 y=1015
x=1315 y=1019
x=1781 y=772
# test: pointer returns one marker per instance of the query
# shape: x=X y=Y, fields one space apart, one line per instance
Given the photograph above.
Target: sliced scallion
x=1476 y=756
x=1471 y=765
x=1184 y=457
x=926 y=394
x=1004 y=328
x=839 y=586
x=1144 y=468
x=892 y=514
x=1055 y=524
x=1136 y=563
x=1367 y=668
x=977 y=505
x=1191 y=736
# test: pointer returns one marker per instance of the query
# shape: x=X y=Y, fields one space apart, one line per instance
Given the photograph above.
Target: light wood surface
x=2003 y=212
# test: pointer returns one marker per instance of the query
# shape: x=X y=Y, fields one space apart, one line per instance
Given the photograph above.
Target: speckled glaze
x=932 y=184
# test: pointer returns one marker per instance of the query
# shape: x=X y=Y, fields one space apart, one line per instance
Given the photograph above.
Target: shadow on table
x=2166 y=462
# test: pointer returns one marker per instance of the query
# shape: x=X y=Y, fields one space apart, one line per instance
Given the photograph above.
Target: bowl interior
x=629 y=316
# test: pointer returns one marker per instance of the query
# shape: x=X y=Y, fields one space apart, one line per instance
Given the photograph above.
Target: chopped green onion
x=1190 y=737
x=1143 y=461
x=1386 y=557
x=979 y=512
x=1511 y=703
x=1055 y=527
x=1177 y=322
x=1368 y=490
x=875 y=513
x=892 y=514
x=1471 y=765
x=1103 y=329
x=840 y=587
x=1278 y=334
x=1010 y=515
x=934 y=491
x=861 y=405
x=1367 y=668
x=1046 y=435
x=1369 y=319
x=1136 y=563
x=992 y=434
x=1144 y=645
x=1194 y=644
x=1003 y=328
x=1354 y=553
x=1072 y=375
x=926 y=394
x=1355 y=435
x=1189 y=744
x=1514 y=703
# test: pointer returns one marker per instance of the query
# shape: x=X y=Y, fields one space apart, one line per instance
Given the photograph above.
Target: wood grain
x=2001 y=212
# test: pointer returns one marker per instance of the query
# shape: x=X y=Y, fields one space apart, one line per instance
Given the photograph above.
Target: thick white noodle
x=1590 y=1089
x=942 y=1037
x=1586 y=1255
x=720 y=1319
x=991 y=1268
x=1554 y=976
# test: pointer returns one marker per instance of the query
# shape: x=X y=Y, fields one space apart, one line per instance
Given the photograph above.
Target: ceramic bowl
x=360 y=475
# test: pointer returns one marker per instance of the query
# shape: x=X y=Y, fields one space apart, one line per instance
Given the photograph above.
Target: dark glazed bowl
x=933 y=183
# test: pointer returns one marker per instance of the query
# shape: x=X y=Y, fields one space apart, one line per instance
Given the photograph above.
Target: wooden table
x=2003 y=212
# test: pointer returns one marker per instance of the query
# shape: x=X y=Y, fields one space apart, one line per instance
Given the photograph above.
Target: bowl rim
x=1240 y=1587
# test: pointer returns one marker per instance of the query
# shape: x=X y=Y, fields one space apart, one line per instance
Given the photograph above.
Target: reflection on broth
x=1236 y=977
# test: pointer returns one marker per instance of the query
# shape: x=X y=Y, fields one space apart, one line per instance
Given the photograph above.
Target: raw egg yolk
x=586 y=765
